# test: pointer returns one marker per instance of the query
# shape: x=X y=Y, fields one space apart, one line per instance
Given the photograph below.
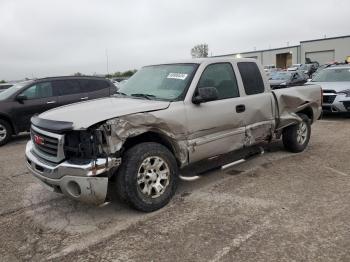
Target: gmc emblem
x=39 y=140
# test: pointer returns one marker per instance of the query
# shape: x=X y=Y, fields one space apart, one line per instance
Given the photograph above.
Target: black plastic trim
x=52 y=125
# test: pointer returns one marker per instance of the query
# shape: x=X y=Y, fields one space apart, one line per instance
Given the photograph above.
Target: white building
x=323 y=50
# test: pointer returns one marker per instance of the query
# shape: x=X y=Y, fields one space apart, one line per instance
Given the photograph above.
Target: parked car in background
x=335 y=83
x=268 y=67
x=319 y=69
x=23 y=100
x=307 y=69
x=294 y=67
x=283 y=79
x=196 y=115
x=5 y=86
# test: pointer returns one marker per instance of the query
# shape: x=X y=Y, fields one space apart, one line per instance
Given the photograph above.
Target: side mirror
x=21 y=98
x=205 y=94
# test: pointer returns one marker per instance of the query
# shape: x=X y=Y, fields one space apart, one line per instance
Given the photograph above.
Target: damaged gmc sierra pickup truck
x=164 y=120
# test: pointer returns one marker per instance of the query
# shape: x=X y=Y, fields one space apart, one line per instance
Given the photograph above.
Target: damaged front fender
x=118 y=130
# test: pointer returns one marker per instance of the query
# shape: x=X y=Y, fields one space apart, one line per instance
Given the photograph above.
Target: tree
x=77 y=74
x=2 y=82
x=200 y=50
x=125 y=74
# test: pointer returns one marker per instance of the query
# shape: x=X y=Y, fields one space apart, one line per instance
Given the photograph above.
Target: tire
x=138 y=177
x=294 y=138
x=5 y=132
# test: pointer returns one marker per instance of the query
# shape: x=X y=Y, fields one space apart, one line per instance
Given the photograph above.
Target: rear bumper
x=79 y=182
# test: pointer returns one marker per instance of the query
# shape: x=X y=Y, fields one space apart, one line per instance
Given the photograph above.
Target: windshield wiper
x=120 y=93
x=147 y=96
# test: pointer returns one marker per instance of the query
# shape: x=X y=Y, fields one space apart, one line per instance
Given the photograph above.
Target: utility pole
x=107 y=61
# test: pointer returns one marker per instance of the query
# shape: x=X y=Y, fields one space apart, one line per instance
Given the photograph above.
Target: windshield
x=13 y=89
x=280 y=76
x=164 y=82
x=333 y=75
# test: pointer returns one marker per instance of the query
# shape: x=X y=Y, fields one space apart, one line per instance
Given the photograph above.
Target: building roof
x=286 y=47
x=327 y=38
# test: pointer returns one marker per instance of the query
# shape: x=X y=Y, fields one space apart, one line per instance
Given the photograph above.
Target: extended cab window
x=39 y=90
x=251 y=77
x=222 y=77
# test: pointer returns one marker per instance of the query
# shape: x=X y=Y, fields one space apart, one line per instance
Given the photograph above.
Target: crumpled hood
x=85 y=114
x=337 y=86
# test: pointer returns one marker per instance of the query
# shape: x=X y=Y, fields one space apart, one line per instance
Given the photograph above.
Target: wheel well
x=308 y=112
x=8 y=120
x=151 y=137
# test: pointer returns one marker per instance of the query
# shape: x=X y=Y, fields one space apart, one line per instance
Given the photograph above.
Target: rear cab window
x=251 y=77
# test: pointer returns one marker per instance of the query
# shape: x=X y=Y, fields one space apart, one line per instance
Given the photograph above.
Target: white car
x=335 y=83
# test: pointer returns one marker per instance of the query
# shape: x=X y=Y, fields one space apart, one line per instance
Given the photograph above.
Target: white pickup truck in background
x=164 y=120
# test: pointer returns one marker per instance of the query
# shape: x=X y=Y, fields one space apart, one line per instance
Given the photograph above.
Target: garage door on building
x=323 y=57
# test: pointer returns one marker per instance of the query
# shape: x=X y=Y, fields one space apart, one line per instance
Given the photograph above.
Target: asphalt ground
x=276 y=207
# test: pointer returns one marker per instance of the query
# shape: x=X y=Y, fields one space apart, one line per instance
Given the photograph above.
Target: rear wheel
x=296 y=137
x=148 y=176
x=5 y=132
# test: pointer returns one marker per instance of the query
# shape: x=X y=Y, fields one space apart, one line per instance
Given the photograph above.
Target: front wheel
x=148 y=176
x=5 y=132
x=296 y=137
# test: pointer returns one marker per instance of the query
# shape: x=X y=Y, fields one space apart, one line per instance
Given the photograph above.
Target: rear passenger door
x=69 y=91
x=95 y=88
x=257 y=100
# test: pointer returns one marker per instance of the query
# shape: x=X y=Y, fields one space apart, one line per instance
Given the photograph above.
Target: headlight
x=344 y=92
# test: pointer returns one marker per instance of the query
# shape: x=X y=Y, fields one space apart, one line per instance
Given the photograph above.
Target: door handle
x=50 y=102
x=240 y=108
x=84 y=98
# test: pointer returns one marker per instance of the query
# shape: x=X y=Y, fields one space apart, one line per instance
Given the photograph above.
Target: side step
x=224 y=161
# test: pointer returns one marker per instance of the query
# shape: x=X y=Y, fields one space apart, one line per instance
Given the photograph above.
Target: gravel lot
x=277 y=207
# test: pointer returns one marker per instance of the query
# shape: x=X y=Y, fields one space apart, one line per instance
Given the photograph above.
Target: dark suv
x=23 y=100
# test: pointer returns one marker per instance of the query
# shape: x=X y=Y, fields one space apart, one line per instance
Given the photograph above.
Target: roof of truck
x=208 y=60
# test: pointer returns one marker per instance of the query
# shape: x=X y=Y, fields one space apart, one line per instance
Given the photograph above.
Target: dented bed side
x=289 y=101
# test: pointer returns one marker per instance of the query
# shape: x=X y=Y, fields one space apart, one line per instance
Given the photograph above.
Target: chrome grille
x=47 y=145
x=328 y=99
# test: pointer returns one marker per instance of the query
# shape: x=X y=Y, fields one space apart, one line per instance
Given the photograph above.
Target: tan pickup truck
x=166 y=119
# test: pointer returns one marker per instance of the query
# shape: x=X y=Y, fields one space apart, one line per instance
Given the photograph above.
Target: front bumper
x=336 y=103
x=84 y=182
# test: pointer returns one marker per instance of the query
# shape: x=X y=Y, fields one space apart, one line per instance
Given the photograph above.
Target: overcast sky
x=46 y=38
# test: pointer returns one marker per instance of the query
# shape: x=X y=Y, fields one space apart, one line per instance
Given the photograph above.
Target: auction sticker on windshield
x=177 y=76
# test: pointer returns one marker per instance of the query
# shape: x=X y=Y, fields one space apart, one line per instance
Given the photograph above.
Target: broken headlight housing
x=84 y=145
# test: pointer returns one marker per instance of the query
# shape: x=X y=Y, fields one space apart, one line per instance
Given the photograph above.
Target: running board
x=222 y=161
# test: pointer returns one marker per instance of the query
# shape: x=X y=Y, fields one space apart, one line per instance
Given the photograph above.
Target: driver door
x=216 y=127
